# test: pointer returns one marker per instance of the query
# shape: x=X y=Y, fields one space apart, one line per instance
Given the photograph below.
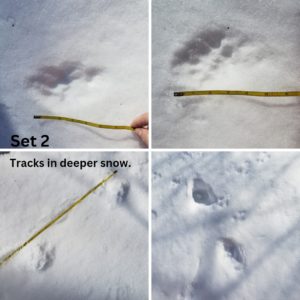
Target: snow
x=80 y=59
x=236 y=45
x=91 y=252
x=225 y=225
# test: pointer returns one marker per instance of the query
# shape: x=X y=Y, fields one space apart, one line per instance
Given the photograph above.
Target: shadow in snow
x=6 y=129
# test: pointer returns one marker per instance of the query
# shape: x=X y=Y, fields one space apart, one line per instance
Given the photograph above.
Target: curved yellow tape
x=59 y=118
x=52 y=222
x=236 y=93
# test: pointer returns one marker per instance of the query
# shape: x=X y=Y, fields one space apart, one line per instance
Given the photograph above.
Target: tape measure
x=238 y=93
x=105 y=126
x=52 y=222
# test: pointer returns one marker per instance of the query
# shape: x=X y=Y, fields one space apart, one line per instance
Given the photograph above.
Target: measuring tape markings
x=237 y=93
x=105 y=126
x=52 y=222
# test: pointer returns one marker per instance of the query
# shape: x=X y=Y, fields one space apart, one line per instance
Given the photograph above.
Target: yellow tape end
x=178 y=94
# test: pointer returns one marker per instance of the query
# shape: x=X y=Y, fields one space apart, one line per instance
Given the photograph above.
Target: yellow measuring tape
x=52 y=222
x=238 y=93
x=58 y=118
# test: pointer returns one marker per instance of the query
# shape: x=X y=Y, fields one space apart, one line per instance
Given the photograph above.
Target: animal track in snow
x=227 y=51
x=200 y=58
x=244 y=168
x=48 y=77
x=241 y=215
x=201 y=44
x=122 y=195
x=223 y=201
x=263 y=157
x=234 y=250
x=154 y=214
x=157 y=175
x=176 y=180
x=202 y=192
x=119 y=189
x=43 y=257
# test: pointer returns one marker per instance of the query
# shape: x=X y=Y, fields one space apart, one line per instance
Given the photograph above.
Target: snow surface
x=80 y=59
x=226 y=226
x=228 y=44
x=99 y=250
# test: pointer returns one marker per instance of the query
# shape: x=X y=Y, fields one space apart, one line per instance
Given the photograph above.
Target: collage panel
x=225 y=74
x=225 y=225
x=71 y=72
x=206 y=206
x=67 y=222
